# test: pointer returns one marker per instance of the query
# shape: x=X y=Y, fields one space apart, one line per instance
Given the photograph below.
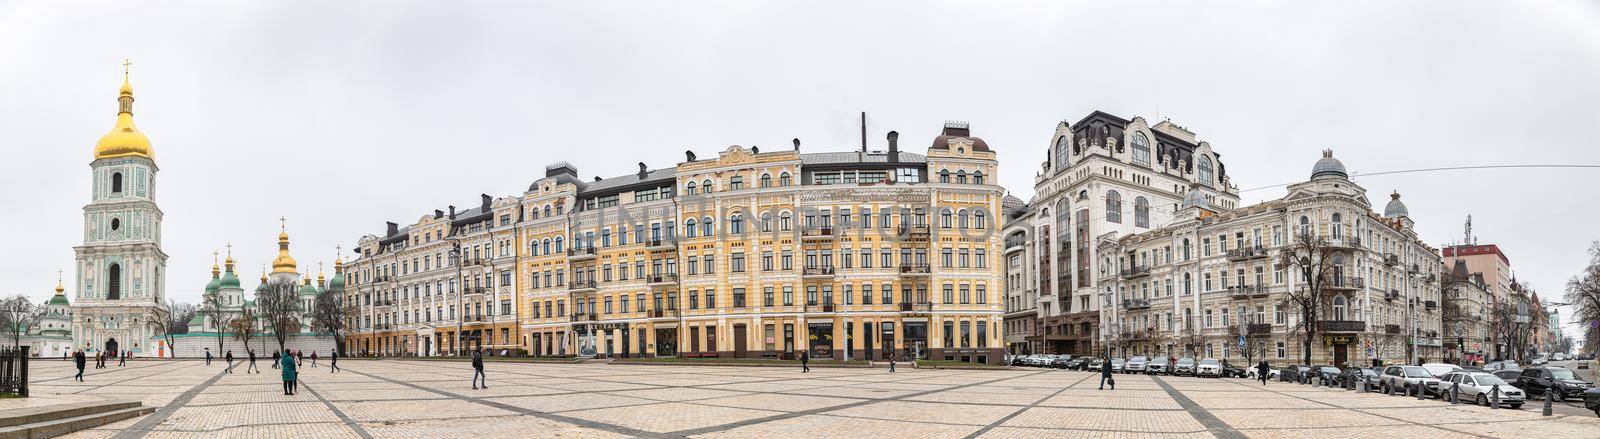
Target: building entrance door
x=111 y=347
x=1341 y=354
x=866 y=340
x=741 y=338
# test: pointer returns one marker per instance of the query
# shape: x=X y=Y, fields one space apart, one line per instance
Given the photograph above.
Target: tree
x=332 y=315
x=1505 y=321
x=279 y=308
x=1313 y=260
x=1583 y=292
x=211 y=309
x=18 y=315
x=243 y=326
x=177 y=322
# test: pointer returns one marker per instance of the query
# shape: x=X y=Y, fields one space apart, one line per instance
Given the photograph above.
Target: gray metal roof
x=670 y=174
x=827 y=158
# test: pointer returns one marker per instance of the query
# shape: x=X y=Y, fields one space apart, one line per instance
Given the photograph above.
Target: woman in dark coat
x=289 y=375
x=1261 y=371
x=1105 y=375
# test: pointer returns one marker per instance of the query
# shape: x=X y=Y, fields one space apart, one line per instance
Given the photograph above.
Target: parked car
x=1040 y=360
x=1184 y=366
x=1061 y=362
x=1509 y=375
x=1566 y=384
x=1272 y=373
x=1157 y=366
x=1095 y=364
x=1591 y=400
x=1501 y=365
x=1357 y=375
x=1231 y=371
x=1325 y=374
x=1080 y=363
x=1558 y=357
x=1478 y=387
x=1295 y=373
x=1117 y=364
x=1208 y=367
x=1438 y=370
x=1404 y=378
x=1539 y=361
x=1135 y=364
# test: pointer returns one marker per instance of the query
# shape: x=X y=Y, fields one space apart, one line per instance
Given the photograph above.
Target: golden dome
x=124 y=140
x=283 y=263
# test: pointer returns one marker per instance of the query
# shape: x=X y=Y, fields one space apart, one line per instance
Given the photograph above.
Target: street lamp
x=455 y=259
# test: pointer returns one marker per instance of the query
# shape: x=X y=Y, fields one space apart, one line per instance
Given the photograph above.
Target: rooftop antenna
x=1467 y=238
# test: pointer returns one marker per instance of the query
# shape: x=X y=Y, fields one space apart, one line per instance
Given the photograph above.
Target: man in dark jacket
x=208 y=356
x=1261 y=371
x=79 y=360
x=1105 y=374
x=229 y=358
x=122 y=360
x=252 y=366
x=275 y=355
x=333 y=361
x=477 y=369
x=805 y=362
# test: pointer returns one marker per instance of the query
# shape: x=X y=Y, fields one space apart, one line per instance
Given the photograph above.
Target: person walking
x=208 y=356
x=123 y=359
x=252 y=366
x=1261 y=371
x=333 y=361
x=805 y=360
x=290 y=376
x=229 y=357
x=1105 y=375
x=891 y=364
x=300 y=357
x=274 y=358
x=313 y=358
x=79 y=360
x=477 y=369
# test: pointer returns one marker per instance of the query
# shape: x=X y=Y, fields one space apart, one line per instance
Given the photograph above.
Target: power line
x=1448 y=168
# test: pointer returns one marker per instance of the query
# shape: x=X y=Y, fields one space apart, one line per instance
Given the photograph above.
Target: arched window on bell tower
x=116 y=182
x=114 y=284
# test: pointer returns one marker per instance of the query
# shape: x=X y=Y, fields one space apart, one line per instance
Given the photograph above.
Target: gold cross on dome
x=283 y=224
x=125 y=64
x=230 y=250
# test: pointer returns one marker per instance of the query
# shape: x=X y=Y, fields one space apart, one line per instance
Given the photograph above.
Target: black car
x=1294 y=373
x=1357 y=375
x=1080 y=363
x=1325 y=374
x=1510 y=376
x=1566 y=384
x=1591 y=400
x=1231 y=371
x=1062 y=362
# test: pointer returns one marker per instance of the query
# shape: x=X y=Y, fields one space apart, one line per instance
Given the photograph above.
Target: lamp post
x=455 y=259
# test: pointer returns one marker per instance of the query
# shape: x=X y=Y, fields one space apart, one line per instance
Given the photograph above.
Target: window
x=1141 y=212
x=977 y=177
x=736 y=183
x=705 y=186
x=1062 y=158
x=1113 y=207
x=1338 y=231
x=944 y=175
x=1339 y=306
x=705 y=226
x=737 y=261
x=783 y=179
x=736 y=224
x=116 y=182
x=1205 y=170
x=690 y=189
x=766 y=180
x=766 y=296
x=1281 y=352
x=1141 y=150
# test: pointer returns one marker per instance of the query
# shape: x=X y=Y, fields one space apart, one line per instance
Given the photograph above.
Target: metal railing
x=916 y=269
x=1135 y=303
x=14 y=370
x=576 y=252
x=817 y=271
x=584 y=317
x=919 y=307
x=1239 y=254
x=662 y=278
x=817 y=232
x=1341 y=325
x=1134 y=271
x=1258 y=329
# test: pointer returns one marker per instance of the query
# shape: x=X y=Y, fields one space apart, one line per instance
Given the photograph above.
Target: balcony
x=1261 y=328
x=1247 y=253
x=383 y=279
x=816 y=233
x=916 y=270
x=662 y=279
x=382 y=327
x=662 y=313
x=661 y=243
x=1132 y=304
x=474 y=290
x=580 y=253
x=1345 y=242
x=820 y=307
x=817 y=272
x=1246 y=291
x=1430 y=305
x=584 y=317
x=1331 y=326
x=1391 y=329
x=917 y=232
x=1135 y=271
x=1392 y=295
x=476 y=319
x=582 y=285
x=383 y=303
x=1013 y=245
x=1345 y=283
x=1391 y=260
x=916 y=307
x=469 y=262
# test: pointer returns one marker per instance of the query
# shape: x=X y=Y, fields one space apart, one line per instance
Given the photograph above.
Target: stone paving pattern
x=432 y=399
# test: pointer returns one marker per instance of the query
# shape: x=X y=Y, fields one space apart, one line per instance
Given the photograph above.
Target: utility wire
x=1448 y=168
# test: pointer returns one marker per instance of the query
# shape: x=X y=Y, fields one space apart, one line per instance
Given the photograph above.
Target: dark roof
x=659 y=177
x=958 y=130
x=838 y=158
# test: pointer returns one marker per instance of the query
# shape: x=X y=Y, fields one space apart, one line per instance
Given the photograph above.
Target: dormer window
x=1141 y=150
x=1205 y=170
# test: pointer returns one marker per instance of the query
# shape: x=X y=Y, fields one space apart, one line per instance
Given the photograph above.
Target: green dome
x=337 y=283
x=308 y=290
x=215 y=284
x=229 y=280
x=59 y=299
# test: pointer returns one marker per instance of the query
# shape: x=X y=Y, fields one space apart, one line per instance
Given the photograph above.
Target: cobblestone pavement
x=434 y=399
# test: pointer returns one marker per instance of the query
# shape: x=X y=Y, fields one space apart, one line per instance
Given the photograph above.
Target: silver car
x=1438 y=370
x=1209 y=367
x=1403 y=378
x=1478 y=388
x=1135 y=365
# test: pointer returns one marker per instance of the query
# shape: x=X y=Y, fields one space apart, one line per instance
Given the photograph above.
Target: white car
x=1209 y=367
x=1438 y=370
x=1135 y=365
x=1478 y=388
x=1272 y=373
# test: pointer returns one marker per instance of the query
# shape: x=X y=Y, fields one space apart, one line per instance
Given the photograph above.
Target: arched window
x=1188 y=283
x=1338 y=230
x=1141 y=149
x=1063 y=157
x=961 y=176
x=978 y=221
x=945 y=219
x=116 y=182
x=1205 y=170
x=706 y=226
x=783 y=179
x=1141 y=212
x=785 y=221
x=944 y=175
x=1186 y=249
x=961 y=218
x=1113 y=207
x=1339 y=308
x=977 y=177
x=547 y=247
x=1305 y=226
x=1063 y=222
x=558 y=244
x=547 y=210
x=736 y=224
x=114 y=282
x=690 y=189
x=766 y=180
x=705 y=186
x=689 y=228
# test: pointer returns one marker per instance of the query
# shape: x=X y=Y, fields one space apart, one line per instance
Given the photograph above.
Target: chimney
x=596 y=178
x=438 y=214
x=863 y=132
x=689 y=155
x=894 y=146
x=452 y=211
x=755 y=150
x=486 y=200
x=643 y=170
x=393 y=228
x=797 y=144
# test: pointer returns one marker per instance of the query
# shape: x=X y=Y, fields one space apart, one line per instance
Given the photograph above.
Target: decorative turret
x=1328 y=167
x=230 y=279
x=216 y=275
x=124 y=140
x=283 y=263
x=1395 y=209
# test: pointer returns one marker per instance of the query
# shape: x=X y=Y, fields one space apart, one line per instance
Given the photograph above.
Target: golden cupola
x=283 y=263
x=124 y=140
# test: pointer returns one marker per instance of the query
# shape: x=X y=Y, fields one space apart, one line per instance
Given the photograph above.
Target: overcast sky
x=343 y=115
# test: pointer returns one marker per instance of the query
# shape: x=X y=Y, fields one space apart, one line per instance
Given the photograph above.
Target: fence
x=14 y=370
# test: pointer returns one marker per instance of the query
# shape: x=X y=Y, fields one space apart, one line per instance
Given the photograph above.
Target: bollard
x=1313 y=381
x=1389 y=388
x=1547 y=402
x=1455 y=393
x=1494 y=397
x=1363 y=385
x=1422 y=391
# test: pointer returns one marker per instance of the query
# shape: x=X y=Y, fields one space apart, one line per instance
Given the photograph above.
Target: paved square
x=430 y=399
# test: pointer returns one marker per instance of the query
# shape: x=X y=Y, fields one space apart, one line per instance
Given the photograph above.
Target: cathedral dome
x=216 y=279
x=124 y=140
x=1328 y=167
x=337 y=283
x=60 y=297
x=1395 y=208
x=283 y=263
